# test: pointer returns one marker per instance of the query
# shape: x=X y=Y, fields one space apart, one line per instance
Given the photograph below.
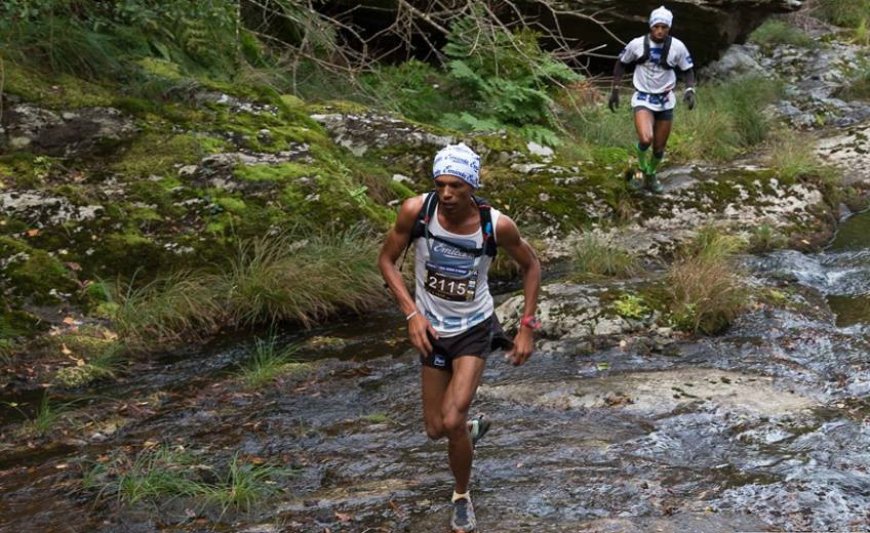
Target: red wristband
x=530 y=322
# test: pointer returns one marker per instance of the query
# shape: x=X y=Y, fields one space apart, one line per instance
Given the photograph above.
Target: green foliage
x=596 y=128
x=44 y=420
x=288 y=277
x=859 y=87
x=267 y=362
x=765 y=238
x=412 y=88
x=93 y=39
x=729 y=120
x=154 y=474
x=245 y=484
x=848 y=13
x=775 y=31
x=593 y=257
x=89 y=367
x=704 y=293
x=503 y=79
x=631 y=306
x=160 y=474
x=791 y=154
x=167 y=309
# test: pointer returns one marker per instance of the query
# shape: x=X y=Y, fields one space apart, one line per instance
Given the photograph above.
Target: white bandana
x=458 y=160
x=661 y=16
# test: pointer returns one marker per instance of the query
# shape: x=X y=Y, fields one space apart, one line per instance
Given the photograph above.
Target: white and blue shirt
x=451 y=287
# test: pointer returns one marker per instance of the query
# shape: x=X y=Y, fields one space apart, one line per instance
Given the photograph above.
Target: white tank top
x=451 y=288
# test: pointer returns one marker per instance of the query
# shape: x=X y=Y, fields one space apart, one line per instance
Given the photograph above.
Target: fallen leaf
x=150 y=443
x=69 y=321
x=32 y=232
x=64 y=350
x=343 y=517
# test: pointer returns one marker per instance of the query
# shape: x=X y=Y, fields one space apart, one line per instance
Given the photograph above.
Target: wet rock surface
x=764 y=428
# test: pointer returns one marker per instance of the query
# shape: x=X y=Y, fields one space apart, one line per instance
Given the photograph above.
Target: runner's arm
x=394 y=244
x=519 y=249
x=689 y=78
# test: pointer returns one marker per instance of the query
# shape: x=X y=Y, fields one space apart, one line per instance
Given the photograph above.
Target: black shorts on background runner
x=478 y=341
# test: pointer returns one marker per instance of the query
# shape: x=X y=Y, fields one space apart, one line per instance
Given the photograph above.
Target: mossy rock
x=59 y=92
x=34 y=275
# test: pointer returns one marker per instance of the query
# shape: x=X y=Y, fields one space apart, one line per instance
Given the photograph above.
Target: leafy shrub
x=504 y=79
x=631 y=306
x=848 y=13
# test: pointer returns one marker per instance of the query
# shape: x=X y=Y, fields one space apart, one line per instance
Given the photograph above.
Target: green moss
x=55 y=91
x=25 y=170
x=34 y=273
x=159 y=154
x=161 y=68
x=276 y=173
x=282 y=134
x=16 y=323
x=233 y=205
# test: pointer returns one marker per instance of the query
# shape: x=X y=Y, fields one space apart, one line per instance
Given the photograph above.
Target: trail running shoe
x=651 y=182
x=478 y=428
x=633 y=179
x=463 y=516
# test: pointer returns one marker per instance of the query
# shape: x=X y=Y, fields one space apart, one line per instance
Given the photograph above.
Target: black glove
x=613 y=103
x=689 y=98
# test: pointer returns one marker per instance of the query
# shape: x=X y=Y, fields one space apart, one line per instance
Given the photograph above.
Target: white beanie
x=458 y=160
x=661 y=15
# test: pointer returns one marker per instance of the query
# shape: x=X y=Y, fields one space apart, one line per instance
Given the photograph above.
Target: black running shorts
x=478 y=341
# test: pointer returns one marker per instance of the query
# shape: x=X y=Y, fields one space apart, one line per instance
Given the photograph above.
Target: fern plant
x=505 y=78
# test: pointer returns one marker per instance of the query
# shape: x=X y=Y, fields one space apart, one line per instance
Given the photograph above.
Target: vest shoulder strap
x=666 y=51
x=421 y=226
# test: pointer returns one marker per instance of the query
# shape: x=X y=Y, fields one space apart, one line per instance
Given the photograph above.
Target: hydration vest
x=666 y=50
x=421 y=226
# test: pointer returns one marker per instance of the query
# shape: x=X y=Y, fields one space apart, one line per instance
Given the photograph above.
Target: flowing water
x=765 y=428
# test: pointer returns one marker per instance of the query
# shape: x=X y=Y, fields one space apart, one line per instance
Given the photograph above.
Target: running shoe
x=463 y=516
x=651 y=182
x=478 y=428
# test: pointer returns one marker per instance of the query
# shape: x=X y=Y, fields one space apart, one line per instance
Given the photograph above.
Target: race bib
x=451 y=283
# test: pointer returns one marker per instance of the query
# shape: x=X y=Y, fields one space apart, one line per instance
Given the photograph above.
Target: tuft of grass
x=182 y=305
x=776 y=31
x=765 y=238
x=45 y=419
x=271 y=279
x=859 y=87
x=704 y=292
x=267 y=362
x=155 y=474
x=377 y=418
x=790 y=153
x=711 y=244
x=593 y=257
x=282 y=278
x=161 y=473
x=244 y=485
x=728 y=120
x=847 y=13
